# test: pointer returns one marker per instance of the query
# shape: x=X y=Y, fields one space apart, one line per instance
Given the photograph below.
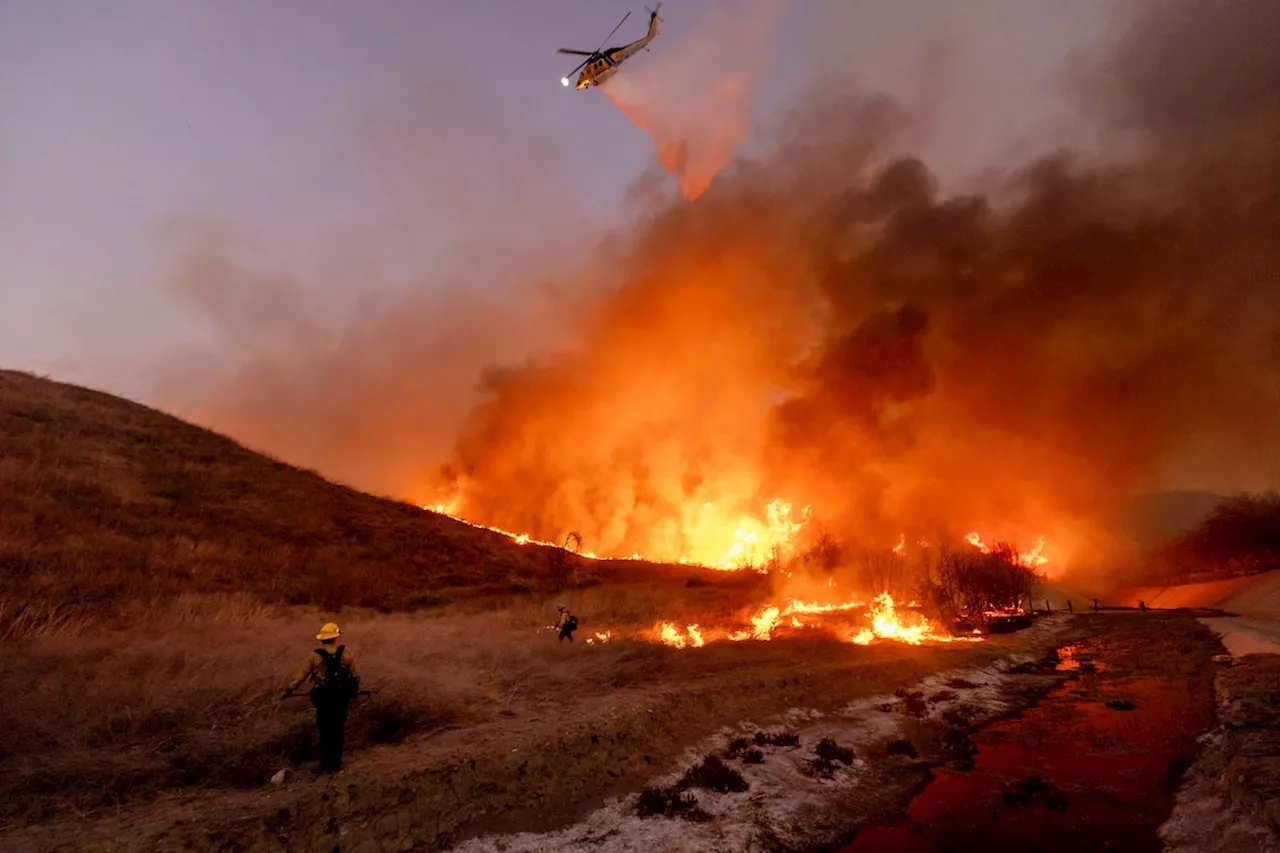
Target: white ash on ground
x=1230 y=798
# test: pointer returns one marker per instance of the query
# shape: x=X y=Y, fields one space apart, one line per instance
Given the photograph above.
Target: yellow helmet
x=330 y=631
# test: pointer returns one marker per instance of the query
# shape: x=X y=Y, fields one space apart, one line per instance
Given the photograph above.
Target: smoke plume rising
x=695 y=97
x=825 y=328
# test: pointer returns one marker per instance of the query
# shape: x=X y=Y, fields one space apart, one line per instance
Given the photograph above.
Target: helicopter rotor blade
x=578 y=52
x=615 y=29
x=579 y=68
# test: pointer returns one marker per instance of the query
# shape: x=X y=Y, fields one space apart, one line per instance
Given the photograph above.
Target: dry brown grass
x=108 y=507
x=189 y=696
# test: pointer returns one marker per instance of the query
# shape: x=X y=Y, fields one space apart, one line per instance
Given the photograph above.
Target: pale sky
x=359 y=143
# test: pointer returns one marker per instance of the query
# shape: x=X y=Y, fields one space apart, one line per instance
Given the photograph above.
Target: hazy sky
x=358 y=143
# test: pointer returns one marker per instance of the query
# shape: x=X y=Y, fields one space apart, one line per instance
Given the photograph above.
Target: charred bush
x=777 y=739
x=753 y=756
x=736 y=748
x=902 y=747
x=960 y=748
x=829 y=755
x=713 y=775
x=916 y=706
x=942 y=696
x=669 y=802
x=976 y=582
x=828 y=750
x=961 y=684
x=1033 y=785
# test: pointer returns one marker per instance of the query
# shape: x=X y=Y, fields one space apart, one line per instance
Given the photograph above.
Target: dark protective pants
x=331 y=720
x=566 y=631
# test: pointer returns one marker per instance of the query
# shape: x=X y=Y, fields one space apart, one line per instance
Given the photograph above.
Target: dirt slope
x=1257 y=596
x=104 y=502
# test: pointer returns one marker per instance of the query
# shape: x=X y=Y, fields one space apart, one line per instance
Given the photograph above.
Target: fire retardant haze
x=825 y=328
x=696 y=103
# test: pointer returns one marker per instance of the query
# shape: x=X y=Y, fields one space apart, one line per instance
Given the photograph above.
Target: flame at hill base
x=887 y=623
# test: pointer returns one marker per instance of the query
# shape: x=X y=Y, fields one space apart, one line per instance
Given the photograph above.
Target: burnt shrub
x=669 y=802
x=753 y=756
x=829 y=755
x=713 y=775
x=970 y=582
x=736 y=748
x=828 y=750
x=961 y=684
x=902 y=747
x=777 y=739
x=960 y=717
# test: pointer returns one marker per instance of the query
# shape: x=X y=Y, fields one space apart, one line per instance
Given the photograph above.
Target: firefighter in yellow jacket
x=566 y=624
x=331 y=669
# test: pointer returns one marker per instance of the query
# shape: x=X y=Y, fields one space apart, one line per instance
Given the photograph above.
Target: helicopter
x=600 y=65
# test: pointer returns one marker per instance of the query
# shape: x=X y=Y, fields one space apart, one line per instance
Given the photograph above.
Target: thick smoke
x=825 y=326
x=695 y=99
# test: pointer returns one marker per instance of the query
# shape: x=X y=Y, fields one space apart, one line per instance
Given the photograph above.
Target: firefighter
x=567 y=623
x=334 y=683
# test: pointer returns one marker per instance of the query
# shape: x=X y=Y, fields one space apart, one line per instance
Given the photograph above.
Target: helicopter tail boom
x=653 y=21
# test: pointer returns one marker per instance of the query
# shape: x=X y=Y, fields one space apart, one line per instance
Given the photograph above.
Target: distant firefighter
x=334 y=683
x=567 y=623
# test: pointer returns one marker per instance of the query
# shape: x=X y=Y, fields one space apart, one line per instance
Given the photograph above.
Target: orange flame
x=886 y=624
x=752 y=543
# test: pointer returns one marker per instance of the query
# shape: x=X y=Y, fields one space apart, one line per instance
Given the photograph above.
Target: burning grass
x=191 y=699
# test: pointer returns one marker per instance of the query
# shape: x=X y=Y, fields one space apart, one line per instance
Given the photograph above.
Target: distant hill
x=107 y=503
x=1158 y=516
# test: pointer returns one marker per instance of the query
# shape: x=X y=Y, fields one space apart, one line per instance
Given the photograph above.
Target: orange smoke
x=826 y=328
x=695 y=95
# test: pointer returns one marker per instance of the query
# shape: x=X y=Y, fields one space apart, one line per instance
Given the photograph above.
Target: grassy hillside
x=106 y=505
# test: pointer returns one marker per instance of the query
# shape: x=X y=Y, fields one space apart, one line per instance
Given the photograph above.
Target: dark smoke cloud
x=824 y=326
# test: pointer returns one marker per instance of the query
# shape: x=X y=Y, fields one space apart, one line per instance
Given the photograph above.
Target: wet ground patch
x=1093 y=765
